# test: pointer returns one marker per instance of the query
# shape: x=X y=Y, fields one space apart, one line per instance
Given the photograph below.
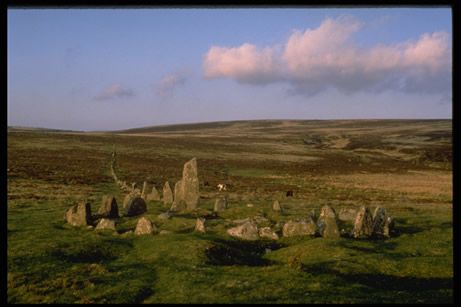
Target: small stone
x=109 y=207
x=134 y=205
x=326 y=223
x=167 y=194
x=381 y=223
x=220 y=204
x=144 y=227
x=105 y=224
x=250 y=205
x=266 y=232
x=276 y=206
x=165 y=232
x=200 y=225
x=246 y=231
x=153 y=195
x=164 y=215
x=303 y=227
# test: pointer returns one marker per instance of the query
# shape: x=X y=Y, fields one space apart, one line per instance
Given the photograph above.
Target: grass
x=52 y=262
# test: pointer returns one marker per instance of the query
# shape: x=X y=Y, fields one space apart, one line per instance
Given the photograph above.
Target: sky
x=109 y=69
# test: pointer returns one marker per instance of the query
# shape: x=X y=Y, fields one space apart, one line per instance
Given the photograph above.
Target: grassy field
x=403 y=165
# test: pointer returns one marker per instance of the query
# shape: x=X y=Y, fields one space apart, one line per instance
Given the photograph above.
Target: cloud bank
x=326 y=57
x=169 y=84
x=115 y=91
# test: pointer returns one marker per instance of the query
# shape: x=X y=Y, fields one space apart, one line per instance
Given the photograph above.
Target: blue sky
x=103 y=69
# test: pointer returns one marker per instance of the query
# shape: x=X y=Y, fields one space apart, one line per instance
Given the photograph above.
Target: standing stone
x=381 y=223
x=188 y=187
x=133 y=186
x=153 y=195
x=106 y=224
x=363 y=225
x=200 y=225
x=109 y=207
x=326 y=223
x=304 y=227
x=134 y=205
x=144 y=190
x=167 y=194
x=220 y=204
x=144 y=227
x=246 y=231
x=266 y=232
x=79 y=215
x=276 y=206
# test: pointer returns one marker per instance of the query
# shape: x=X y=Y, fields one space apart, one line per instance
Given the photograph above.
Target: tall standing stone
x=109 y=207
x=381 y=223
x=363 y=225
x=79 y=214
x=188 y=187
x=144 y=190
x=167 y=194
x=326 y=223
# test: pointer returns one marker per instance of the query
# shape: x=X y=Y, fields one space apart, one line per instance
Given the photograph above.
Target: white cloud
x=327 y=57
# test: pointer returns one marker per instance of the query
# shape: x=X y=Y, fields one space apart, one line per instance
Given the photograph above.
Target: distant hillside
x=36 y=129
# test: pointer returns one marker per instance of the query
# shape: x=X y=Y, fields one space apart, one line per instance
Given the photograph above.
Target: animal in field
x=289 y=194
x=221 y=187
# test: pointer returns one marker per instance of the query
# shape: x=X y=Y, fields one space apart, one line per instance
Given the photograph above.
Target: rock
x=165 y=232
x=153 y=195
x=266 y=232
x=134 y=205
x=363 y=225
x=90 y=227
x=347 y=214
x=133 y=186
x=79 y=214
x=187 y=189
x=250 y=205
x=105 y=224
x=109 y=207
x=200 y=225
x=164 y=215
x=241 y=221
x=245 y=231
x=167 y=194
x=144 y=190
x=220 y=204
x=144 y=227
x=326 y=223
x=127 y=233
x=304 y=227
x=276 y=206
x=381 y=223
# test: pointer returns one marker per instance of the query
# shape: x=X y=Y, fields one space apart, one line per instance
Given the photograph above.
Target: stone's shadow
x=380 y=281
x=238 y=252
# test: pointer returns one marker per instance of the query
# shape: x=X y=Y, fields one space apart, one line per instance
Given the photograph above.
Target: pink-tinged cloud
x=326 y=57
x=170 y=83
x=115 y=91
x=246 y=64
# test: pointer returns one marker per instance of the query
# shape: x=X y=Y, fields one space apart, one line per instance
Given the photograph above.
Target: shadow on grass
x=237 y=252
x=380 y=281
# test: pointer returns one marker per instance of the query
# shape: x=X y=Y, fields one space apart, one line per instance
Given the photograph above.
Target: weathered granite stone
x=276 y=206
x=303 y=227
x=144 y=227
x=381 y=223
x=109 y=207
x=363 y=225
x=187 y=188
x=245 y=231
x=153 y=195
x=134 y=205
x=220 y=204
x=266 y=232
x=167 y=194
x=105 y=224
x=79 y=214
x=326 y=223
x=200 y=225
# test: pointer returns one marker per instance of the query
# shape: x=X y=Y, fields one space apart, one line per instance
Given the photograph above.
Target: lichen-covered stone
x=109 y=207
x=105 y=224
x=79 y=214
x=245 y=231
x=326 y=223
x=303 y=227
x=144 y=227
x=167 y=194
x=363 y=225
x=134 y=205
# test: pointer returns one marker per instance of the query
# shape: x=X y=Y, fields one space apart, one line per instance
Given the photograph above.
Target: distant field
x=403 y=165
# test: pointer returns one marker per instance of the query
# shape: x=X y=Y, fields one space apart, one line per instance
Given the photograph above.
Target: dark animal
x=289 y=193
